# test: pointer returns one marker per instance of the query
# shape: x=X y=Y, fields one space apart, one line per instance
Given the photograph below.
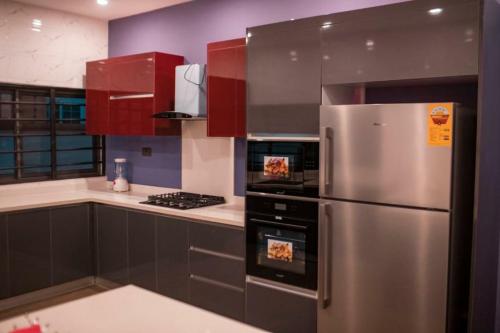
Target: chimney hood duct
x=190 y=94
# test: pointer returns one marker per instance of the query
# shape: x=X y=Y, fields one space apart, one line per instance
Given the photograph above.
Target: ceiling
x=115 y=8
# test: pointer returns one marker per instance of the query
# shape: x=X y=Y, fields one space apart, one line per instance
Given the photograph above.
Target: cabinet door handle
x=325 y=250
x=133 y=96
x=326 y=145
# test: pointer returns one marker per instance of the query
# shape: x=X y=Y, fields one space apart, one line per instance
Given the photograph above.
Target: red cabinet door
x=226 y=91
x=97 y=96
x=124 y=92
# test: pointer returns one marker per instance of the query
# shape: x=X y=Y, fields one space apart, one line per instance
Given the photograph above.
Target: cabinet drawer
x=225 y=269
x=217 y=238
x=279 y=311
x=225 y=300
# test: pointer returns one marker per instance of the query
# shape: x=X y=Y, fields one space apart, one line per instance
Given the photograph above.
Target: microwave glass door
x=290 y=168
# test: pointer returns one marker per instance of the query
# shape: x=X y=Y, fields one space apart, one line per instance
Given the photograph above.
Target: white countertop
x=129 y=309
x=62 y=192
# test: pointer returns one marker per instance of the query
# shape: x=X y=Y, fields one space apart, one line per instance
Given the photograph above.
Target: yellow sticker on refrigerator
x=440 y=124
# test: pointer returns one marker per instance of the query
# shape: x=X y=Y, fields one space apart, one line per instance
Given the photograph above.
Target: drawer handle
x=215 y=253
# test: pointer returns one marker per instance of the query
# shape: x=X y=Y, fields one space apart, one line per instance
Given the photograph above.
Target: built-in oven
x=282 y=240
x=284 y=166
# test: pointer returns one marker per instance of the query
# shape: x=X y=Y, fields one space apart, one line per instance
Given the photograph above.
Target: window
x=42 y=135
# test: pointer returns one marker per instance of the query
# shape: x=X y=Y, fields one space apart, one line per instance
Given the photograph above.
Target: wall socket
x=147 y=151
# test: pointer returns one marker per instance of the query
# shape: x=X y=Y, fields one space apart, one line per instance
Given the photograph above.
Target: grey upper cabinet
x=173 y=269
x=401 y=42
x=284 y=78
x=142 y=250
x=29 y=251
x=71 y=243
x=4 y=261
x=111 y=245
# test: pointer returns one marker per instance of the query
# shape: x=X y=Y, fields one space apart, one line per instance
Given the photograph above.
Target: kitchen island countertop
x=129 y=309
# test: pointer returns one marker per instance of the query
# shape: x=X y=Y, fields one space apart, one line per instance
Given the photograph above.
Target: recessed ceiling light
x=36 y=25
x=327 y=25
x=435 y=11
x=102 y=2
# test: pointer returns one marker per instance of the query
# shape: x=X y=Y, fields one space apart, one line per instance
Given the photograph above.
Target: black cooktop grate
x=183 y=200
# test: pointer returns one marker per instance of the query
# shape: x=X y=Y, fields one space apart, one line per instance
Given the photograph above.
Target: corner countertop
x=129 y=309
x=71 y=191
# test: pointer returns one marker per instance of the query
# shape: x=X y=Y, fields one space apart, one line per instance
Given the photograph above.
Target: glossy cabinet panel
x=4 y=258
x=29 y=251
x=226 y=88
x=142 y=250
x=71 y=243
x=111 y=246
x=227 y=301
x=401 y=42
x=284 y=78
x=219 y=268
x=217 y=238
x=173 y=268
x=279 y=311
x=131 y=116
x=124 y=92
x=97 y=97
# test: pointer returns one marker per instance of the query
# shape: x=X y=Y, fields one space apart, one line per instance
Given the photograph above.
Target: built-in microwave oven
x=286 y=166
x=282 y=240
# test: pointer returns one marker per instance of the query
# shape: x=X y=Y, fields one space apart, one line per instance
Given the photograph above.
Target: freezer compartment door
x=383 y=153
x=382 y=269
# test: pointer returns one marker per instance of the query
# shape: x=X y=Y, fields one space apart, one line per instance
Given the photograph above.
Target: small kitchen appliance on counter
x=184 y=200
x=120 y=183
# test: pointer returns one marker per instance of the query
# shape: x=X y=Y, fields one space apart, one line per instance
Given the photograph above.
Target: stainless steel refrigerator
x=396 y=213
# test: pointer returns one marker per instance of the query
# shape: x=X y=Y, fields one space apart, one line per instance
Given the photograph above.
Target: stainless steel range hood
x=190 y=94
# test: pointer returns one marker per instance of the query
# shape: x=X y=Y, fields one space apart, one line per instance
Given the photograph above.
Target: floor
x=20 y=310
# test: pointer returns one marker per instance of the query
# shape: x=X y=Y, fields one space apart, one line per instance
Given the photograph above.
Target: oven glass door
x=284 y=251
x=290 y=168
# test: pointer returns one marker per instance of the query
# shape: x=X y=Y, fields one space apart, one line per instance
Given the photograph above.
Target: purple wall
x=185 y=29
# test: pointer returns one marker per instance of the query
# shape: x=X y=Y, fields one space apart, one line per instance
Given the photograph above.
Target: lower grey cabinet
x=280 y=311
x=29 y=251
x=219 y=298
x=141 y=250
x=71 y=243
x=111 y=245
x=173 y=269
x=217 y=269
x=4 y=259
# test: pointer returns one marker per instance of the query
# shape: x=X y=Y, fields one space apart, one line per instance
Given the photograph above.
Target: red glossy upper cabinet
x=97 y=95
x=138 y=86
x=226 y=88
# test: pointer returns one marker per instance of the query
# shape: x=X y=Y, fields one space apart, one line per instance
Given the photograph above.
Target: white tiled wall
x=54 y=56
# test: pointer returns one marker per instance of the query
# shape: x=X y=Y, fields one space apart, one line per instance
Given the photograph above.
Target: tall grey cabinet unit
x=4 y=259
x=284 y=78
x=406 y=41
x=29 y=251
x=71 y=243
x=111 y=246
x=172 y=257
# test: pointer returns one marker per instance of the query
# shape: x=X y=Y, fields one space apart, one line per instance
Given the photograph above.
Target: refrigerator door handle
x=325 y=250
x=326 y=143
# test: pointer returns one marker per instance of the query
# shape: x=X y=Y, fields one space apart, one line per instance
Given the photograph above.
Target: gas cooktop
x=183 y=200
